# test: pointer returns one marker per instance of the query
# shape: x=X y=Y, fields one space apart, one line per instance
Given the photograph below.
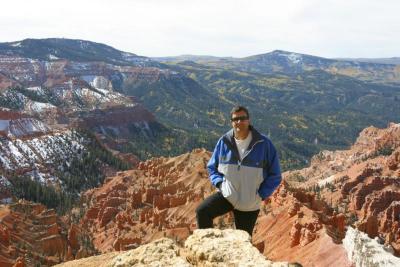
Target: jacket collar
x=256 y=136
x=229 y=139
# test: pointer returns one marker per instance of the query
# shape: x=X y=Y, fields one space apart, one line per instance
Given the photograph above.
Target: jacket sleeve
x=272 y=173
x=212 y=166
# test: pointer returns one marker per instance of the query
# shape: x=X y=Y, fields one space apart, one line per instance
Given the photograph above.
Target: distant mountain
x=189 y=58
x=392 y=60
x=285 y=62
x=76 y=50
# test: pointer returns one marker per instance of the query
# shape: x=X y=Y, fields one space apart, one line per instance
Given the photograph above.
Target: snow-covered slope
x=24 y=127
x=44 y=102
x=45 y=150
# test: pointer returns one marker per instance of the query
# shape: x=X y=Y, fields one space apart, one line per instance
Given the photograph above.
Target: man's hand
x=219 y=185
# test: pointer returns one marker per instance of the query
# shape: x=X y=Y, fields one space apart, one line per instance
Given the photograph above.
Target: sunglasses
x=240 y=118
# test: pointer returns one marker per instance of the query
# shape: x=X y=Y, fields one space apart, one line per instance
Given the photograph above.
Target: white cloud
x=340 y=28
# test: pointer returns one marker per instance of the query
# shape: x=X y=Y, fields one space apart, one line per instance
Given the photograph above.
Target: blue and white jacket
x=244 y=183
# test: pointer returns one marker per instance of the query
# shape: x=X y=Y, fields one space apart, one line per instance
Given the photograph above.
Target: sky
x=237 y=28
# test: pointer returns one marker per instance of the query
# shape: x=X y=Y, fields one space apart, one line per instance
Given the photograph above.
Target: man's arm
x=272 y=174
x=212 y=166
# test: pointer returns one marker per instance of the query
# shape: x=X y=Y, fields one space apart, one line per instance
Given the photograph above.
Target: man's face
x=240 y=122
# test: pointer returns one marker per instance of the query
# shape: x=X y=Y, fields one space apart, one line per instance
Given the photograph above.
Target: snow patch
x=17 y=44
x=27 y=126
x=14 y=151
x=24 y=148
x=40 y=107
x=52 y=57
x=83 y=44
x=34 y=88
x=49 y=65
x=364 y=251
x=98 y=82
x=295 y=58
x=5 y=162
x=37 y=176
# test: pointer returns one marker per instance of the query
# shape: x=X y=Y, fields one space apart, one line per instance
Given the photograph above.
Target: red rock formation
x=394 y=160
x=178 y=201
x=378 y=202
x=19 y=262
x=149 y=195
x=53 y=245
x=156 y=201
x=295 y=234
x=136 y=199
x=294 y=208
x=39 y=229
x=360 y=184
x=4 y=236
x=108 y=215
x=161 y=202
x=92 y=213
x=73 y=234
x=390 y=218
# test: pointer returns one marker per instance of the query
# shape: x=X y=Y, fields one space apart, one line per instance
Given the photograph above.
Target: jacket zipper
x=247 y=153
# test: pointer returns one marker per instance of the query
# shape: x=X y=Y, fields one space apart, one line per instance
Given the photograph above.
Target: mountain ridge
x=309 y=108
x=72 y=49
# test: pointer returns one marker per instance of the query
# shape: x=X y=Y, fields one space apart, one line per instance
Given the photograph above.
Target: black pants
x=216 y=205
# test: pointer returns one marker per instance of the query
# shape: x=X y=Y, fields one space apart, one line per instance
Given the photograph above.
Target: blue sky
x=237 y=28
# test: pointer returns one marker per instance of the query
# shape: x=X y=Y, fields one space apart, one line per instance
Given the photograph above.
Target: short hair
x=239 y=108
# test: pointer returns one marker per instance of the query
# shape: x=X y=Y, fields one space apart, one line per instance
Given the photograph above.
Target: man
x=245 y=169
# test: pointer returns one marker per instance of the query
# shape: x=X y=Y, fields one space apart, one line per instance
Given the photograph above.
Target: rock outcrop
x=364 y=251
x=214 y=247
x=208 y=247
